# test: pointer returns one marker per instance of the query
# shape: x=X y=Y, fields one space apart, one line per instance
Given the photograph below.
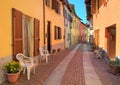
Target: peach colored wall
x=30 y=8
x=56 y=20
x=107 y=16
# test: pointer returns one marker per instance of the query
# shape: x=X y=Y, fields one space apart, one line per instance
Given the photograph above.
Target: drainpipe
x=44 y=21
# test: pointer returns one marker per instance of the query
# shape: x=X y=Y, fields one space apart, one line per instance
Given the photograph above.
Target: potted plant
x=115 y=65
x=12 y=71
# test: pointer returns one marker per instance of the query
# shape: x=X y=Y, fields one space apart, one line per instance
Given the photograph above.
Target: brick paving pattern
x=74 y=74
x=102 y=69
x=91 y=77
x=43 y=70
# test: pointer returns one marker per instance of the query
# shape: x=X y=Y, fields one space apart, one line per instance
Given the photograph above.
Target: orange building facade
x=106 y=24
x=54 y=25
x=25 y=26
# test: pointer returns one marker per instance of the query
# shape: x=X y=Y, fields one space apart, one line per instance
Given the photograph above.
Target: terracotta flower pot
x=115 y=69
x=12 y=77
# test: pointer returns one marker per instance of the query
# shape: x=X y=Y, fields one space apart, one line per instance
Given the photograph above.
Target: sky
x=80 y=9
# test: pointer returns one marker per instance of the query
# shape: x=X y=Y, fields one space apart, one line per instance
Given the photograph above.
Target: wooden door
x=36 y=37
x=97 y=37
x=48 y=37
x=17 y=32
x=111 y=42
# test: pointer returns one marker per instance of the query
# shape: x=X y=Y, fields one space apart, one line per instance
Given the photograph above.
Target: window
x=97 y=5
x=47 y=3
x=93 y=3
x=53 y=4
x=69 y=36
x=69 y=18
x=65 y=13
x=100 y=3
x=65 y=22
x=21 y=34
x=57 y=33
x=56 y=6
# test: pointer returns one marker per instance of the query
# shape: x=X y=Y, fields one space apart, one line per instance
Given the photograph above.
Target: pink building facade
x=82 y=32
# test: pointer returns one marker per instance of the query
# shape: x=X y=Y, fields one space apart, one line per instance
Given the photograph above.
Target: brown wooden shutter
x=36 y=37
x=59 y=8
x=17 y=32
x=93 y=9
x=64 y=12
x=59 y=33
x=53 y=4
x=48 y=3
x=56 y=6
x=55 y=35
x=100 y=3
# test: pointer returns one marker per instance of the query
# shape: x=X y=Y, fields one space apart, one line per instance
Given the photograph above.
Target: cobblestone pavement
x=74 y=75
x=43 y=70
x=102 y=69
x=58 y=73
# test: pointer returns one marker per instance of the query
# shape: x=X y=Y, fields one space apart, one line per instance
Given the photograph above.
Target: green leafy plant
x=115 y=62
x=12 y=67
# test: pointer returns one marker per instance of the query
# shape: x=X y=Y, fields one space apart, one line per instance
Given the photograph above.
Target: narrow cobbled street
x=77 y=65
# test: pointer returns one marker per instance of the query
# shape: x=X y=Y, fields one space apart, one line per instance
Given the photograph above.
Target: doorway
x=111 y=41
x=97 y=38
x=23 y=31
x=49 y=36
x=26 y=35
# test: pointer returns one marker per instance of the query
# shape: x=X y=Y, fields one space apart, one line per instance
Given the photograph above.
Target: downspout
x=44 y=21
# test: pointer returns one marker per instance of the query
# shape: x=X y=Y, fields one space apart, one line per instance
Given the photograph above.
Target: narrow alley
x=60 y=42
x=77 y=65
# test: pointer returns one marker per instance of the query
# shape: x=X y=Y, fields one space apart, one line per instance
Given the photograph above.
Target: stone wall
x=2 y=72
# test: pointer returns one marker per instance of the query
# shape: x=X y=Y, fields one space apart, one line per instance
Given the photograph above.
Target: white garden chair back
x=26 y=63
x=44 y=53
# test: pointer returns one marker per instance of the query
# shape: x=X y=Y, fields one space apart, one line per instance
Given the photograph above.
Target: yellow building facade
x=27 y=25
x=32 y=10
x=19 y=21
x=75 y=28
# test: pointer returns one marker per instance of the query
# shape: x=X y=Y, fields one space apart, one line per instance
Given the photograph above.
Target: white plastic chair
x=44 y=53
x=26 y=63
